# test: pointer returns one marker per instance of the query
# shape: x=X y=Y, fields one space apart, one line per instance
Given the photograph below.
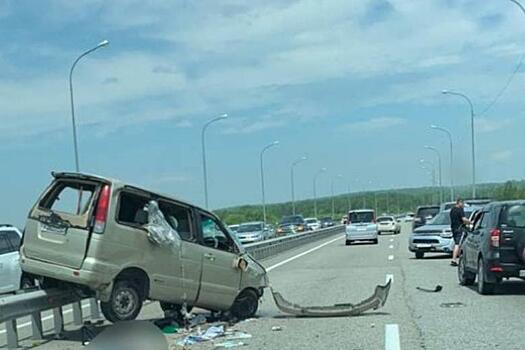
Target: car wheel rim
x=124 y=303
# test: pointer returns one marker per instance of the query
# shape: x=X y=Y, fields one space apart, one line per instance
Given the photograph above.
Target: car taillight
x=101 y=214
x=495 y=235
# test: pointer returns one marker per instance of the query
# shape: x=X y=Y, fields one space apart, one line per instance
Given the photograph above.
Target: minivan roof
x=361 y=211
x=120 y=184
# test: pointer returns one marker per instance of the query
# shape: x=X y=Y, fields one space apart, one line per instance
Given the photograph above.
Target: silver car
x=251 y=232
x=10 y=272
x=435 y=236
x=361 y=226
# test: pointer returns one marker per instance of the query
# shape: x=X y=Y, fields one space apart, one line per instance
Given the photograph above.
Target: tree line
x=393 y=201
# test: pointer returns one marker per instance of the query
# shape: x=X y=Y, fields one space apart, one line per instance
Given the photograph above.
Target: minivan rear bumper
x=94 y=280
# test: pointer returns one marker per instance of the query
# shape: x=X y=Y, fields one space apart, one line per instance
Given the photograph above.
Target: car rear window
x=424 y=212
x=69 y=197
x=13 y=238
x=514 y=216
x=358 y=217
x=250 y=228
x=385 y=219
x=130 y=206
x=292 y=220
x=5 y=247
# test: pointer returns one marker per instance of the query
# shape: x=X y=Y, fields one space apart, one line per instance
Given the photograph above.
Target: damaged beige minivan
x=125 y=244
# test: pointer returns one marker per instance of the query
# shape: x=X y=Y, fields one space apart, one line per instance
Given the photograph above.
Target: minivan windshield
x=249 y=228
x=361 y=217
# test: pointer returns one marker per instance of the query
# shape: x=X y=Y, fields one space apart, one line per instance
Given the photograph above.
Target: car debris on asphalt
x=436 y=289
x=377 y=300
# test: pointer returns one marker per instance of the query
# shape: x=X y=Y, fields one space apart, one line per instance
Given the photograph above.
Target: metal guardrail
x=264 y=249
x=33 y=303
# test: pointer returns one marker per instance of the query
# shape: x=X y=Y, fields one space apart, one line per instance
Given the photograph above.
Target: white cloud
x=372 y=124
x=488 y=125
x=501 y=156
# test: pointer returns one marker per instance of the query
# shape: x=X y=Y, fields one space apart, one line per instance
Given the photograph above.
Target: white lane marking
x=391 y=246
x=389 y=277
x=392 y=337
x=301 y=254
x=390 y=257
x=44 y=318
x=391 y=239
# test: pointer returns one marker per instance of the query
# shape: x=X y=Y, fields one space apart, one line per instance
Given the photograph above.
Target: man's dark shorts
x=457 y=236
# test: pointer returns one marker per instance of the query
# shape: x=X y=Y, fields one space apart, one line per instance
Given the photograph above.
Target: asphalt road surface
x=328 y=272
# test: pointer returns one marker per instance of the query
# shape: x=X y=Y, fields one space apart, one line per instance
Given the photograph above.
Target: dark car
x=495 y=246
x=327 y=222
x=296 y=222
x=424 y=213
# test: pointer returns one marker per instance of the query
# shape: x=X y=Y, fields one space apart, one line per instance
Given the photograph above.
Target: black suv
x=495 y=246
x=424 y=213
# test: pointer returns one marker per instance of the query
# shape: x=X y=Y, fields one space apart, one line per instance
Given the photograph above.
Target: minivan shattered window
x=159 y=230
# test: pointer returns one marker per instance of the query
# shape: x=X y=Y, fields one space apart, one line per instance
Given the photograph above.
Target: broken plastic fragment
x=377 y=300
x=437 y=289
x=159 y=230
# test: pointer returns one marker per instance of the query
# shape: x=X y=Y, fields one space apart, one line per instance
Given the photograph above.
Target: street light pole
x=275 y=143
x=434 y=149
x=465 y=97
x=292 y=178
x=322 y=170
x=449 y=134
x=339 y=176
x=73 y=121
x=431 y=172
x=203 y=144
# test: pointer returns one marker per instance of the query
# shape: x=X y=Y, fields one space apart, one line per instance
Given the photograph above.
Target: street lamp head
x=304 y=158
x=223 y=116
x=275 y=143
x=445 y=91
x=433 y=126
x=103 y=43
x=323 y=169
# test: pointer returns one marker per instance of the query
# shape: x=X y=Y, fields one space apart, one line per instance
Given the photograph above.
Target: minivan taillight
x=101 y=214
x=495 y=235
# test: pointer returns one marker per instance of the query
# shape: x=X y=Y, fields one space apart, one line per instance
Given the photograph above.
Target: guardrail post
x=36 y=326
x=77 y=313
x=58 y=320
x=95 y=311
x=12 y=334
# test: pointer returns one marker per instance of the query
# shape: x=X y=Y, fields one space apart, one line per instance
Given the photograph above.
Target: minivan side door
x=472 y=241
x=221 y=278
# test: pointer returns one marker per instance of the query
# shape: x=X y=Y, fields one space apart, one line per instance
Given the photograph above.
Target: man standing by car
x=457 y=220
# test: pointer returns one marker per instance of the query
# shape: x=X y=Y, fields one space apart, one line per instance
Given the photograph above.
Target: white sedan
x=313 y=223
x=388 y=224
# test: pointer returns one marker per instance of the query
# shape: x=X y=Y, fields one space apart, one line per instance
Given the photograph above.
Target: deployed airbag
x=159 y=230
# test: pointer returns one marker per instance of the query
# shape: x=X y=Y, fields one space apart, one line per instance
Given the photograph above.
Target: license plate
x=522 y=273
x=424 y=245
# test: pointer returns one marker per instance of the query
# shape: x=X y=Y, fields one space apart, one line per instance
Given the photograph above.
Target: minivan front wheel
x=245 y=305
x=124 y=304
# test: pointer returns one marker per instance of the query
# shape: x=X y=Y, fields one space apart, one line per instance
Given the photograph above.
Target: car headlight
x=446 y=234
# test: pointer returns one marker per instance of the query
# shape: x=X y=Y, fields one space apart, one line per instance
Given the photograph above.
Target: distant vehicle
x=296 y=221
x=327 y=222
x=10 y=270
x=494 y=248
x=234 y=228
x=435 y=236
x=269 y=231
x=361 y=226
x=284 y=229
x=388 y=224
x=344 y=219
x=251 y=232
x=424 y=213
x=409 y=217
x=313 y=224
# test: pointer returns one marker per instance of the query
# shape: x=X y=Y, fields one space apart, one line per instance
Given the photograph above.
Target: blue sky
x=354 y=85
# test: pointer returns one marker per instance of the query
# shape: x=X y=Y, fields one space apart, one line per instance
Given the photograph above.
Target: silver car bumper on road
x=426 y=243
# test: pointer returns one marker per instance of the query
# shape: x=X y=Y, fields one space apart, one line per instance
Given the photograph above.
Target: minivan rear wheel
x=124 y=304
x=245 y=305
